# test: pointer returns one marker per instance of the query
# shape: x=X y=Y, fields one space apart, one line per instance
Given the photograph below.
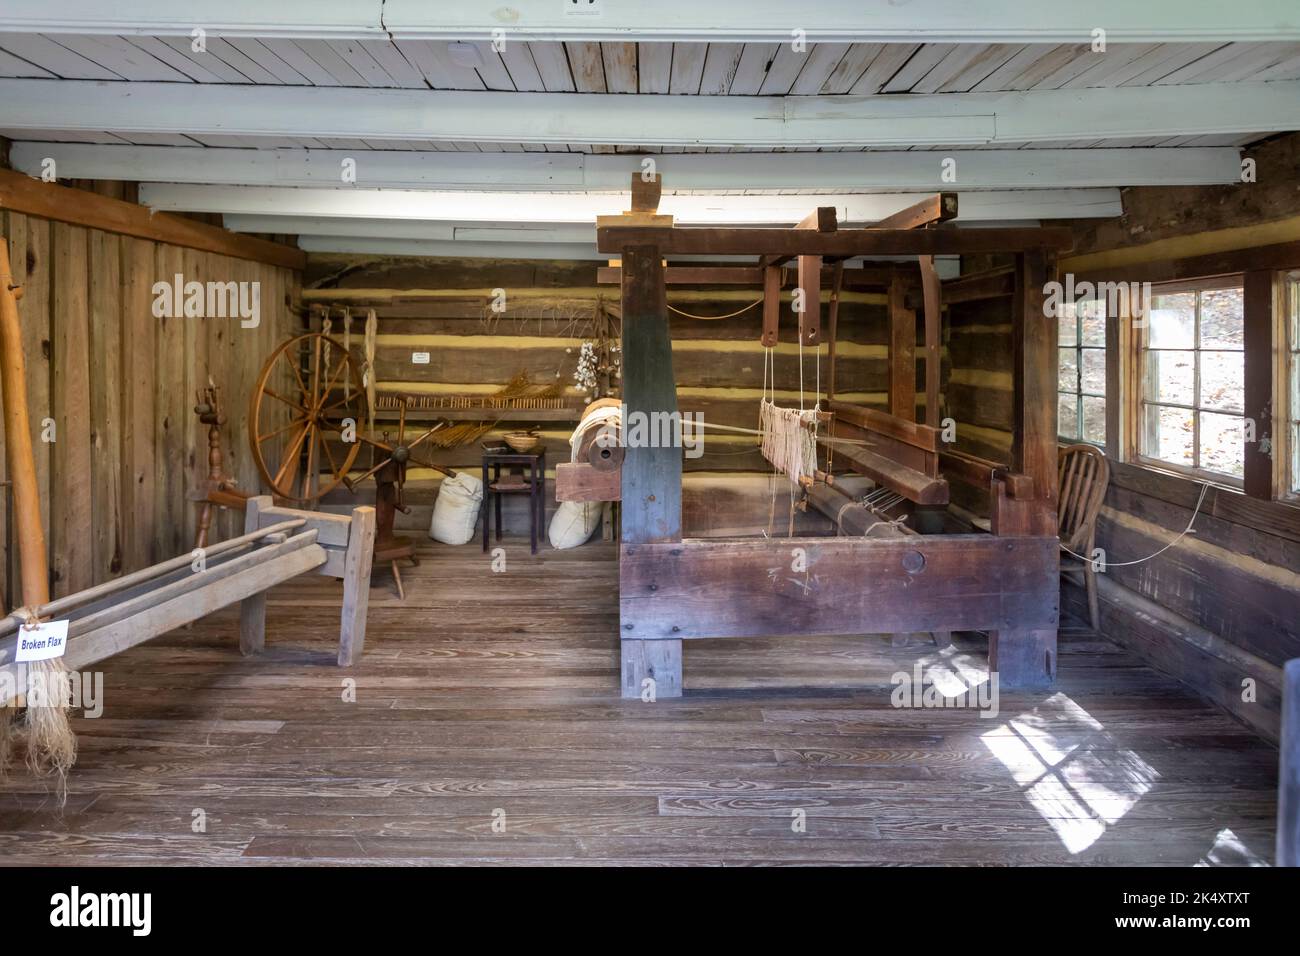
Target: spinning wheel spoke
x=427 y=434
x=290 y=458
x=309 y=479
x=324 y=392
x=281 y=430
x=334 y=465
x=371 y=471
x=297 y=373
x=288 y=401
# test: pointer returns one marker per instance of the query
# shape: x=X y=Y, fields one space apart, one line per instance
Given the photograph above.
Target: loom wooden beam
x=844 y=243
x=934 y=209
x=832 y=324
x=851 y=586
x=981 y=473
x=867 y=277
x=902 y=353
x=914 y=485
x=930 y=293
x=582 y=481
x=771 y=305
x=651 y=489
x=898 y=427
x=810 y=282
x=852 y=518
x=995 y=284
x=19 y=193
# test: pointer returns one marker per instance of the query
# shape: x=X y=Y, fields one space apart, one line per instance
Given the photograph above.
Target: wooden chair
x=1084 y=474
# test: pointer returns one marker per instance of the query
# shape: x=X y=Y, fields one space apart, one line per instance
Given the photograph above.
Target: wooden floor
x=492 y=698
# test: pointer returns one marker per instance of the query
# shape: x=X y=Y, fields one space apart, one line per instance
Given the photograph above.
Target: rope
x=714 y=318
x=1205 y=487
x=29 y=616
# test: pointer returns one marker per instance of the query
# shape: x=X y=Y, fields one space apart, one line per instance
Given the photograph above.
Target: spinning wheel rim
x=311 y=421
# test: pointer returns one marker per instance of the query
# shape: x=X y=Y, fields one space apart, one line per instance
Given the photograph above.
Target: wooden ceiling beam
x=19 y=193
x=844 y=243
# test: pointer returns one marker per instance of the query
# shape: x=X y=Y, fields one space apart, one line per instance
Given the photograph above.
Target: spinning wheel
x=389 y=462
x=314 y=382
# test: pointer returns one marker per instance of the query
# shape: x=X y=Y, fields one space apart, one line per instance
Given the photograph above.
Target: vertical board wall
x=119 y=387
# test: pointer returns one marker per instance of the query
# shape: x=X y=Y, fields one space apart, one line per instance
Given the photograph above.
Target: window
x=1082 y=371
x=1193 y=379
x=1293 y=378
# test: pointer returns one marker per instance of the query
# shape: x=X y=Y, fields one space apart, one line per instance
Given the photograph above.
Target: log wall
x=119 y=386
x=1221 y=609
x=718 y=364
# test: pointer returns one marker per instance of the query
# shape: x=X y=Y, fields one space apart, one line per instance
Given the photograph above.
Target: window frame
x=1078 y=393
x=1287 y=387
x=1140 y=351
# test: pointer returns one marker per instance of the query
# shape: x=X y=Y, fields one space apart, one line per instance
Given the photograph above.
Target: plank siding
x=118 y=385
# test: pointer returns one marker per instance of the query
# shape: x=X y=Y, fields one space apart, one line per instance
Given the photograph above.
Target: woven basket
x=522 y=442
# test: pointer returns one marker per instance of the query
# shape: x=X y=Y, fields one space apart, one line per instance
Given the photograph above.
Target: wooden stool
x=515 y=482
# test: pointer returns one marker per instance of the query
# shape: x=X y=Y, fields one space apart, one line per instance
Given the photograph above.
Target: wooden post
x=1288 y=778
x=810 y=283
x=931 y=294
x=252 y=610
x=771 y=305
x=652 y=476
x=356 y=585
x=1026 y=657
x=20 y=462
x=902 y=353
x=1257 y=306
x=832 y=327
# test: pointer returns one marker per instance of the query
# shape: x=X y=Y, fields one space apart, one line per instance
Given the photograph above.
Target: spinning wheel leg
x=397 y=579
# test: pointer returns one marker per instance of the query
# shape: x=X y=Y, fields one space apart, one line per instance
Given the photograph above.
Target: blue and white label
x=43 y=642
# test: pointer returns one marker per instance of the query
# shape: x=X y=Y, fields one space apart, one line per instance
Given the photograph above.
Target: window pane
x=1173 y=320
x=1068 y=371
x=1094 y=371
x=1066 y=323
x=1068 y=416
x=1223 y=380
x=1094 y=325
x=1221 y=444
x=1094 y=420
x=1221 y=319
x=1170 y=376
x=1169 y=435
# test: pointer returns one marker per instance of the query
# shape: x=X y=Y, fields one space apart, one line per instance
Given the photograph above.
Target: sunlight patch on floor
x=1072 y=771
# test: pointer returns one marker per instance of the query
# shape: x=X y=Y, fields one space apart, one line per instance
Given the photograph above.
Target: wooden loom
x=1005 y=583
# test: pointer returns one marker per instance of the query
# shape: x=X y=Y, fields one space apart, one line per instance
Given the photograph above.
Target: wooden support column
x=1288 y=778
x=810 y=282
x=652 y=477
x=356 y=585
x=771 y=305
x=930 y=291
x=902 y=353
x=1026 y=657
x=832 y=325
x=1257 y=295
x=252 y=610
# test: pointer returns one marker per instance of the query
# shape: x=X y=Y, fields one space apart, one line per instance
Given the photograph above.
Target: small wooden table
x=515 y=482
